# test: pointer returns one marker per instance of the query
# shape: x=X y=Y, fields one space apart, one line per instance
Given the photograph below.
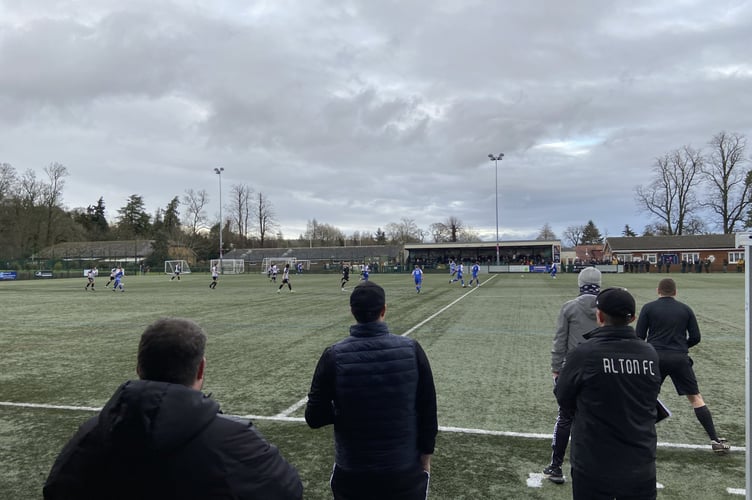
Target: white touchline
x=442 y=428
x=303 y=401
x=736 y=491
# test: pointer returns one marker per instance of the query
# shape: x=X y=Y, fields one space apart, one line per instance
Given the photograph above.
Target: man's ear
x=200 y=374
x=382 y=314
x=599 y=317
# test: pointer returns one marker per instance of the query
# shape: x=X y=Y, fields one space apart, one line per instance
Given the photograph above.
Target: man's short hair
x=366 y=302
x=667 y=287
x=171 y=350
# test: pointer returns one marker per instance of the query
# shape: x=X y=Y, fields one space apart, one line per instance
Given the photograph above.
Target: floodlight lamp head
x=491 y=157
x=501 y=155
x=219 y=170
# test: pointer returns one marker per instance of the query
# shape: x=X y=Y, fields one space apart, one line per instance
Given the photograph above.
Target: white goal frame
x=281 y=261
x=169 y=266
x=229 y=266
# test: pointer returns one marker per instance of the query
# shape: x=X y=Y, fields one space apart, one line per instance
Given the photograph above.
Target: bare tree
x=546 y=233
x=670 y=196
x=263 y=212
x=449 y=230
x=7 y=180
x=573 y=235
x=730 y=192
x=240 y=209
x=195 y=215
x=405 y=231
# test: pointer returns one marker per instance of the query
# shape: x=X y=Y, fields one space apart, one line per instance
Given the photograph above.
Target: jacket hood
x=145 y=416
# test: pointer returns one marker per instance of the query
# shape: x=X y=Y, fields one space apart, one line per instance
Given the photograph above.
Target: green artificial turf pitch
x=65 y=350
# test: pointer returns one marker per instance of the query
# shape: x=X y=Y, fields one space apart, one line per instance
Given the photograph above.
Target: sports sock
x=706 y=419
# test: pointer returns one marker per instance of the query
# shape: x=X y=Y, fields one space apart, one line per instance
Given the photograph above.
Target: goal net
x=229 y=266
x=267 y=262
x=173 y=266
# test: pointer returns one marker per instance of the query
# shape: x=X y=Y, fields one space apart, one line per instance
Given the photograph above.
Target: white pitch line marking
x=303 y=401
x=736 y=491
x=442 y=428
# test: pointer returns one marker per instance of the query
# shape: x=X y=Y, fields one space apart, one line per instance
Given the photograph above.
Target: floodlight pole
x=745 y=240
x=219 y=171
x=496 y=160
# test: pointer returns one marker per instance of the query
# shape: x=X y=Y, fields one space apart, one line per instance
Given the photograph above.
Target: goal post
x=171 y=266
x=267 y=262
x=229 y=266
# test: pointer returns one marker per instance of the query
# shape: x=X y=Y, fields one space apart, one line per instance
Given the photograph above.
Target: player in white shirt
x=215 y=277
x=285 y=279
x=90 y=275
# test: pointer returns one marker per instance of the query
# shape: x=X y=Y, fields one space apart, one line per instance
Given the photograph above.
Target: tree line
x=32 y=217
x=691 y=191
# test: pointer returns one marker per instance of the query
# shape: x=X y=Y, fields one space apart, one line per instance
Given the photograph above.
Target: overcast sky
x=361 y=113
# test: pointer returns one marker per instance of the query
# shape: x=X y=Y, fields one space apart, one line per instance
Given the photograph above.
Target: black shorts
x=678 y=366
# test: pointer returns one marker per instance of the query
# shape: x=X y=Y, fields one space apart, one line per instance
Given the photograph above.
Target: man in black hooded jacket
x=161 y=438
x=611 y=383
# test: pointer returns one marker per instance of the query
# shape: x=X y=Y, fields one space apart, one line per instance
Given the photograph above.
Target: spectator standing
x=671 y=328
x=160 y=437
x=611 y=383
x=576 y=318
x=377 y=389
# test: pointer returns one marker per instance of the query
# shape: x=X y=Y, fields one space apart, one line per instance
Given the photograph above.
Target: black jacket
x=611 y=382
x=155 y=440
x=668 y=325
x=377 y=389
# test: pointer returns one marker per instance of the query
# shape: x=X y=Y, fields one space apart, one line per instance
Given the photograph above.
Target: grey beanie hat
x=589 y=276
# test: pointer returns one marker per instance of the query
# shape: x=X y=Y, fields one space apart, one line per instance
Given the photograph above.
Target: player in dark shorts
x=345 y=277
x=671 y=327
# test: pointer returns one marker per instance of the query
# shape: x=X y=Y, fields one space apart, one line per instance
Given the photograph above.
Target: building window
x=735 y=257
x=691 y=257
x=624 y=257
x=650 y=257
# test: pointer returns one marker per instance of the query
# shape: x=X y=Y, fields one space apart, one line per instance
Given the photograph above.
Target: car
x=43 y=274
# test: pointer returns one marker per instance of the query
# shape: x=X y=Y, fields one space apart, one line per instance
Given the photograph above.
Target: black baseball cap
x=616 y=302
x=367 y=296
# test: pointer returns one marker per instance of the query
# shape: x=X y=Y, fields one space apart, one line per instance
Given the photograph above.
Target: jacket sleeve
x=561 y=342
x=320 y=407
x=641 y=329
x=693 y=329
x=263 y=472
x=76 y=462
x=568 y=384
x=428 y=425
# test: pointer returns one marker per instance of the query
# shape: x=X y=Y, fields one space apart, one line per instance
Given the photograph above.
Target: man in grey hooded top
x=576 y=318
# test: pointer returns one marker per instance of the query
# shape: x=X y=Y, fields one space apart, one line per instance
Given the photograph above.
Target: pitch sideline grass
x=489 y=353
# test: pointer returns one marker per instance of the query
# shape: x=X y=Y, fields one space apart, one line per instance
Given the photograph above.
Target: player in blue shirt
x=418 y=276
x=460 y=269
x=475 y=270
x=364 y=272
x=452 y=270
x=119 y=273
x=553 y=270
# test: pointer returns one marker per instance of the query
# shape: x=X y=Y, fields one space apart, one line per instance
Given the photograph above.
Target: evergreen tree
x=591 y=235
x=133 y=220
x=628 y=231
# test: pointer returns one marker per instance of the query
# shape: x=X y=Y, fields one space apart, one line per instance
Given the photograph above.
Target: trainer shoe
x=720 y=446
x=554 y=474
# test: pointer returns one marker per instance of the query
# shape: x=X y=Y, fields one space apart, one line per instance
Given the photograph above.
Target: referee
x=671 y=327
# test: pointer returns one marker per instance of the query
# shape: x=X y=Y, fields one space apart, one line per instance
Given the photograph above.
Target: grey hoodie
x=576 y=318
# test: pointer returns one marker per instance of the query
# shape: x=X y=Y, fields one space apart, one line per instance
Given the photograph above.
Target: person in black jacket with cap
x=161 y=438
x=377 y=389
x=611 y=382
